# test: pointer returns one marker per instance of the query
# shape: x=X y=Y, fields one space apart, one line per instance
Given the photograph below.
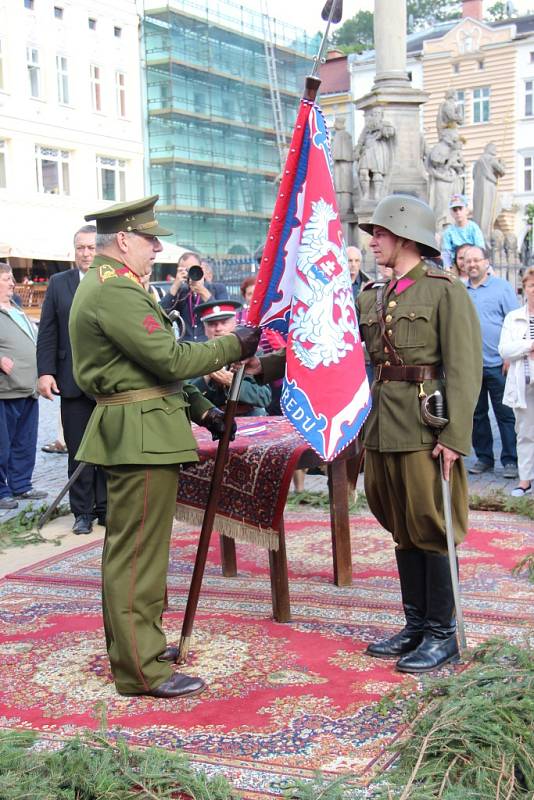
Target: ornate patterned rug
x=283 y=700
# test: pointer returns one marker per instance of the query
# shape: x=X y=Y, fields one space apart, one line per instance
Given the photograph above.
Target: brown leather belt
x=137 y=395
x=412 y=373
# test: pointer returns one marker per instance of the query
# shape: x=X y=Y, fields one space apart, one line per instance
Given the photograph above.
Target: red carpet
x=283 y=700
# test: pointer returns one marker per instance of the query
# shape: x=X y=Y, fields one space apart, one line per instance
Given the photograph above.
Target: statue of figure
x=449 y=113
x=342 y=157
x=511 y=248
x=486 y=171
x=372 y=154
x=442 y=175
x=497 y=247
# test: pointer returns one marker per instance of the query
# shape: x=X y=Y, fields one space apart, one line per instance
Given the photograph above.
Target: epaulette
x=372 y=285
x=438 y=273
x=105 y=272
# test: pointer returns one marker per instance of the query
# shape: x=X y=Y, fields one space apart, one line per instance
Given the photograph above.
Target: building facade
x=216 y=124
x=71 y=130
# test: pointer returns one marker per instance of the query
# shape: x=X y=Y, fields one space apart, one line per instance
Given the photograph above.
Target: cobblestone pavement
x=50 y=472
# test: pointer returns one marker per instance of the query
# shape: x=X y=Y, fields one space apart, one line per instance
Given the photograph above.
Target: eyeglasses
x=147 y=236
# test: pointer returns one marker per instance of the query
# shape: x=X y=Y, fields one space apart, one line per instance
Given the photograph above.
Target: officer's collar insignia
x=126 y=272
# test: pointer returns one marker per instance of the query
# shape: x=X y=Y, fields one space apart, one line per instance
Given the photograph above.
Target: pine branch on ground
x=320 y=500
x=475 y=738
x=21 y=529
x=498 y=501
x=525 y=565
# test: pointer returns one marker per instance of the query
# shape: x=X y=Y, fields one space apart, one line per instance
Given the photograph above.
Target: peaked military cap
x=217 y=309
x=136 y=216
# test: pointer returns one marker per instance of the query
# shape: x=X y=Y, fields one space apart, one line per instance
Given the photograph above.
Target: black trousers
x=88 y=493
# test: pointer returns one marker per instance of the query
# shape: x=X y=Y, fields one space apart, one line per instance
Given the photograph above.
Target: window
x=92 y=23
x=532 y=56
x=58 y=12
x=28 y=4
x=456 y=68
x=117 y=32
x=34 y=71
x=459 y=96
x=111 y=177
x=528 y=173
x=480 y=64
x=481 y=105
x=52 y=170
x=120 y=91
x=96 y=88
x=529 y=94
x=3 y=182
x=62 y=80
x=1 y=68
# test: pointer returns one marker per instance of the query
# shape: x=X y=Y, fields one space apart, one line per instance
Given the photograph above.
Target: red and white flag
x=304 y=292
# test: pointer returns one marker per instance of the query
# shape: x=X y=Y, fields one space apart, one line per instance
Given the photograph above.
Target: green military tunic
x=122 y=341
x=432 y=322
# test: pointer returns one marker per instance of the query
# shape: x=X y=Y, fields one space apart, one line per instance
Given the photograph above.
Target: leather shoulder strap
x=380 y=295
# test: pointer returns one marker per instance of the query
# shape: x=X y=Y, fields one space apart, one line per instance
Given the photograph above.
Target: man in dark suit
x=54 y=368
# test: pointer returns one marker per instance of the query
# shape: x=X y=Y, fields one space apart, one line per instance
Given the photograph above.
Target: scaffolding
x=215 y=128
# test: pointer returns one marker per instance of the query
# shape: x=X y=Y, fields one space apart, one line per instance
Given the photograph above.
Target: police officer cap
x=408 y=217
x=217 y=309
x=136 y=216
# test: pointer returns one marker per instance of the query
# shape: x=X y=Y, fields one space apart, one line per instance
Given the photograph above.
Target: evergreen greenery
x=21 y=529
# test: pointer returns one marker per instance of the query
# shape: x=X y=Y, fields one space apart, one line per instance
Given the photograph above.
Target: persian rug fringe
x=241 y=532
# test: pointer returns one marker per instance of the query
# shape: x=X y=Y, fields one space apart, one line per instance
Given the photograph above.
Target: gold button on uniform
x=412 y=315
x=386 y=363
x=388 y=318
x=390 y=333
x=392 y=304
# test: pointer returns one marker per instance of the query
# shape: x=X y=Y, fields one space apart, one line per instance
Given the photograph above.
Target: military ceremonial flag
x=304 y=292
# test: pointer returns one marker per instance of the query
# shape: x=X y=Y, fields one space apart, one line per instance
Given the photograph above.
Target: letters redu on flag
x=304 y=292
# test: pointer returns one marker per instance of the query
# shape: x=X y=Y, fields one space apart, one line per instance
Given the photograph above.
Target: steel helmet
x=409 y=217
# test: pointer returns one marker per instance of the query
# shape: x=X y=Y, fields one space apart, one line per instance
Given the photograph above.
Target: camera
x=195 y=273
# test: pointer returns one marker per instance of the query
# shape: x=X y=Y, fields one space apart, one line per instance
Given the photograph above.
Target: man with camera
x=189 y=289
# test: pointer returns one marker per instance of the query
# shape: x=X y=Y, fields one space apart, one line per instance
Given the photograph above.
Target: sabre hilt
x=433 y=411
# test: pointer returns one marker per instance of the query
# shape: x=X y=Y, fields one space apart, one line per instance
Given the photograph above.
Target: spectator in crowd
x=357 y=277
x=493 y=298
x=219 y=289
x=187 y=292
x=19 y=409
x=219 y=319
x=516 y=346
x=58 y=445
x=462 y=231
x=458 y=267
x=87 y=495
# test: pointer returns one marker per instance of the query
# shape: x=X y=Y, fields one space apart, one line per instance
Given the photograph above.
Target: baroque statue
x=486 y=172
x=342 y=157
x=372 y=154
x=449 y=113
x=446 y=173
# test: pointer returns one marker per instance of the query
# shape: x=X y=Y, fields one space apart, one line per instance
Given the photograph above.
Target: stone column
x=399 y=103
x=390 y=41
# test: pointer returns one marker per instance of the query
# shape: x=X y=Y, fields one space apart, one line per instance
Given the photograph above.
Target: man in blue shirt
x=493 y=299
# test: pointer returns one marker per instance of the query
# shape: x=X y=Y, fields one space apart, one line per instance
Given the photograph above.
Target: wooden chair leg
x=339 y=522
x=279 y=579
x=228 y=556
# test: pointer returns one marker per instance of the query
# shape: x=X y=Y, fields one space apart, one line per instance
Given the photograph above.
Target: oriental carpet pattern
x=282 y=700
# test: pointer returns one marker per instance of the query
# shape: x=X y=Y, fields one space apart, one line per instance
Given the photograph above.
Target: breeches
x=135 y=558
x=404 y=493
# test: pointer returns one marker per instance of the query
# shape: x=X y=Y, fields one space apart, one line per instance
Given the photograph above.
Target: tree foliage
x=356 y=34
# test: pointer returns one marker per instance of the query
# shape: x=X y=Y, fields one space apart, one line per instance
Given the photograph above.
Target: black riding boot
x=411 y=566
x=439 y=645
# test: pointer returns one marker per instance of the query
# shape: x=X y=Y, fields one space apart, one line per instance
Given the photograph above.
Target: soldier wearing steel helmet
x=422 y=333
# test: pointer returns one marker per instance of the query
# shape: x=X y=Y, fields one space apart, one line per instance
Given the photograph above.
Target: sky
x=307 y=13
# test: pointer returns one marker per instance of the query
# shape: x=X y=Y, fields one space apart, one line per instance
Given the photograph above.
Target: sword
x=43 y=519
x=437 y=422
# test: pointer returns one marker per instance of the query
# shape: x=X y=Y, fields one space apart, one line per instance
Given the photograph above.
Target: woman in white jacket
x=517 y=347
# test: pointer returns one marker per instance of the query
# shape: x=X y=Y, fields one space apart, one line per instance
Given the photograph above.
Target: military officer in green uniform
x=126 y=356
x=422 y=333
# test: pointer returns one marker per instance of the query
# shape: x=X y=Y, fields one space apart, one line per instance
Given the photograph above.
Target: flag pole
x=209 y=517
x=330 y=13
